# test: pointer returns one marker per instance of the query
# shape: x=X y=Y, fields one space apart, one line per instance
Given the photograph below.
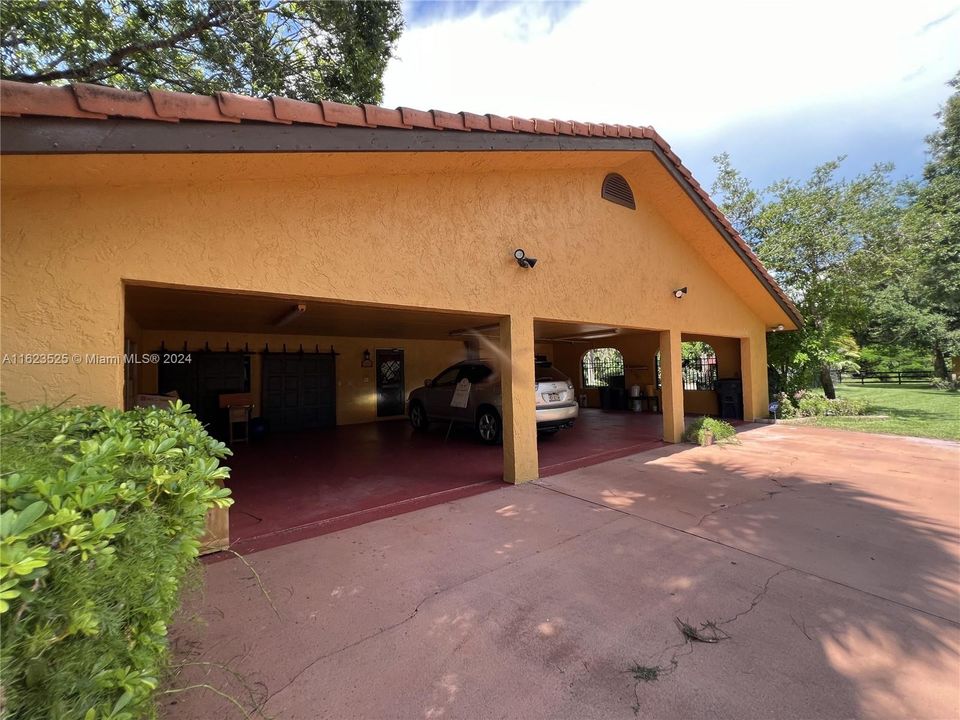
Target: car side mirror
x=428 y=382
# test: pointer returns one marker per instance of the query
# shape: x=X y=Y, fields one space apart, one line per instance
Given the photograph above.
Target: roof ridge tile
x=115 y=101
x=385 y=117
x=187 y=106
x=245 y=107
x=419 y=118
x=524 y=125
x=472 y=121
x=449 y=120
x=343 y=114
x=18 y=98
x=299 y=111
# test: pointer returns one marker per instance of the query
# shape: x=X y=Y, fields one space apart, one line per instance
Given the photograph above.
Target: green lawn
x=916 y=410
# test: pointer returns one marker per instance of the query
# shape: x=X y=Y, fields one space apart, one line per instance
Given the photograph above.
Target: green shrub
x=722 y=431
x=786 y=409
x=102 y=514
x=950 y=385
x=805 y=403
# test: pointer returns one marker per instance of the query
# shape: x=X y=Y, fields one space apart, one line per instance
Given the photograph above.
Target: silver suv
x=469 y=393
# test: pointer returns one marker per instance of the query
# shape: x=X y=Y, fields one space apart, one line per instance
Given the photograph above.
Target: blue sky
x=780 y=86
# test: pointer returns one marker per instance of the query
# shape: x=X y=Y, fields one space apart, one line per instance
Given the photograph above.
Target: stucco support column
x=520 y=461
x=753 y=371
x=671 y=382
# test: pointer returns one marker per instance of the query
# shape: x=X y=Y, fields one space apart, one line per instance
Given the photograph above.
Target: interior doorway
x=390 y=389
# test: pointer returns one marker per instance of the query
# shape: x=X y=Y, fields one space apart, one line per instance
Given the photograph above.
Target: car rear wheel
x=418 y=417
x=489 y=426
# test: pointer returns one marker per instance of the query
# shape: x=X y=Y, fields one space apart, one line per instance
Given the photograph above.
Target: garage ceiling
x=165 y=308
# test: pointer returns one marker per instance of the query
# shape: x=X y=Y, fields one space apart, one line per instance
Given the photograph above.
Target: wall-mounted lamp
x=680 y=292
x=522 y=259
x=294 y=312
x=366 y=362
x=778 y=328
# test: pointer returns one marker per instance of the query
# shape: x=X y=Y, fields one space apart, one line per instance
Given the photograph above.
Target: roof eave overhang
x=68 y=136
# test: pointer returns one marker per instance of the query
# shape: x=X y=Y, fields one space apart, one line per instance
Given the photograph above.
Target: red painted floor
x=289 y=487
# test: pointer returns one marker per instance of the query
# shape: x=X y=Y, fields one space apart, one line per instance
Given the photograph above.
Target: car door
x=440 y=393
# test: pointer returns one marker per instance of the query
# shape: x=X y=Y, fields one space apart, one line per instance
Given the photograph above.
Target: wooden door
x=299 y=391
x=390 y=390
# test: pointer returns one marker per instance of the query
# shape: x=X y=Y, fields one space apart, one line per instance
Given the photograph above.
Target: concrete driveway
x=827 y=560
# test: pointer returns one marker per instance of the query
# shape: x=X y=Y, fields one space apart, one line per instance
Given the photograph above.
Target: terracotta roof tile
x=473 y=121
x=184 y=106
x=244 y=107
x=297 y=111
x=418 y=118
x=384 y=117
x=523 y=124
x=449 y=121
x=27 y=99
x=113 y=101
x=498 y=123
x=580 y=128
x=545 y=127
x=343 y=114
x=595 y=129
x=93 y=102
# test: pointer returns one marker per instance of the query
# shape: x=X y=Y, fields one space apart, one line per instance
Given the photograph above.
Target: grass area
x=916 y=410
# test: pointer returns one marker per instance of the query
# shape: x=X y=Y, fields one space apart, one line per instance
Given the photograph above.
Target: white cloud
x=691 y=69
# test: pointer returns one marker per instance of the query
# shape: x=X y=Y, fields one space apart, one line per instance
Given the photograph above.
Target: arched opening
x=698 y=366
x=602 y=367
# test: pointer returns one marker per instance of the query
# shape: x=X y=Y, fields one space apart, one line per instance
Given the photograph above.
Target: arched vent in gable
x=617 y=190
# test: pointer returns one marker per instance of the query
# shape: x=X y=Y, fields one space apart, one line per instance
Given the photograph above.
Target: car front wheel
x=489 y=426
x=418 y=417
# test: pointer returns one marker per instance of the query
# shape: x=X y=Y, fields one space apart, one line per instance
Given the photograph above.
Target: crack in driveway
x=432 y=596
x=766 y=496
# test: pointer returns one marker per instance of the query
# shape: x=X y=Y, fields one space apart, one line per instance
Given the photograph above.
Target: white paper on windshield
x=461 y=396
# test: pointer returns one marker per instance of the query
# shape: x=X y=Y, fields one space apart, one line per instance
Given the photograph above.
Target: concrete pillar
x=753 y=371
x=517 y=380
x=671 y=381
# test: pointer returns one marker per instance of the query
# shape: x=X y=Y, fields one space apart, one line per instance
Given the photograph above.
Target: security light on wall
x=777 y=328
x=294 y=312
x=522 y=259
x=680 y=292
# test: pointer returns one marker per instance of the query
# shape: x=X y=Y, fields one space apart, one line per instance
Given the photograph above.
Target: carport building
x=325 y=258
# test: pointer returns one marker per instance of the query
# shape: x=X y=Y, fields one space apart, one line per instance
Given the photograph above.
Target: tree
x=822 y=239
x=918 y=296
x=306 y=49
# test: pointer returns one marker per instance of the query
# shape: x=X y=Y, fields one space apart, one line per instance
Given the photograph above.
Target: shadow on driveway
x=829 y=559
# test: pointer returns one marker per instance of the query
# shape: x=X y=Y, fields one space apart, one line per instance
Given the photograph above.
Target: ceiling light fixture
x=482 y=330
x=291 y=315
x=610 y=332
x=680 y=292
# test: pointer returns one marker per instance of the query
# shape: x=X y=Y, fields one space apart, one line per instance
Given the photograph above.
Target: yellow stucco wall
x=429 y=230
x=356 y=385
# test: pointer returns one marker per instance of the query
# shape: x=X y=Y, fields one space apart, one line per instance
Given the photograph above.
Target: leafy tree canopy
x=308 y=49
x=917 y=298
x=823 y=239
